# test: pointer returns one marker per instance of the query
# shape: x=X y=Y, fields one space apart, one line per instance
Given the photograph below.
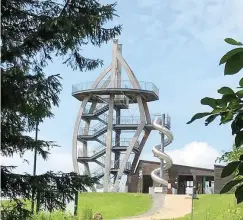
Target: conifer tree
x=33 y=33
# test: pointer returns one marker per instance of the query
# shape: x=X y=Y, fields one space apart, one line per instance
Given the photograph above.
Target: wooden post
x=38 y=201
x=34 y=168
x=76 y=203
x=203 y=185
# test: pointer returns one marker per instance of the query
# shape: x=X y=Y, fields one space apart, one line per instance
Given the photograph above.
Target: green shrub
x=87 y=214
x=57 y=215
x=233 y=213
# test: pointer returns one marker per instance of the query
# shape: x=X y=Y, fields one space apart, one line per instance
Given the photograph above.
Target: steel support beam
x=85 y=144
x=101 y=76
x=114 y=64
x=144 y=139
x=141 y=146
x=75 y=134
x=117 y=137
x=108 y=144
x=118 y=73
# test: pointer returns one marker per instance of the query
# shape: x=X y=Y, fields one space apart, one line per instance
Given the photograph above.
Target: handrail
x=131 y=120
x=165 y=117
x=128 y=120
x=126 y=84
x=100 y=147
x=122 y=98
x=97 y=108
x=92 y=130
x=97 y=171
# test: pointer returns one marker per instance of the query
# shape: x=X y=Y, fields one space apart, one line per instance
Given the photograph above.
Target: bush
x=57 y=215
x=233 y=212
x=87 y=214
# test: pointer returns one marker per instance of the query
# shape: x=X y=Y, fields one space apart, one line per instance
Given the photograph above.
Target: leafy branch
x=229 y=108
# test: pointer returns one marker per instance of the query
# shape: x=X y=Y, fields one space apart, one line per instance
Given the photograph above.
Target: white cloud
x=196 y=154
x=206 y=21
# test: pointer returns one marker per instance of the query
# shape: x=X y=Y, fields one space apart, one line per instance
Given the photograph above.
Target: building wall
x=176 y=170
x=135 y=184
x=219 y=182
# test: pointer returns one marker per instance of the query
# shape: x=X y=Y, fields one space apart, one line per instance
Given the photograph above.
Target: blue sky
x=177 y=45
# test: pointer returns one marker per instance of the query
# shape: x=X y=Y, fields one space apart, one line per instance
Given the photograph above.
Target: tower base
x=158 y=190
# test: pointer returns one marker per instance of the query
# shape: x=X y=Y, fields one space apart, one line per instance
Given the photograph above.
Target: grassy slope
x=216 y=207
x=115 y=205
x=110 y=205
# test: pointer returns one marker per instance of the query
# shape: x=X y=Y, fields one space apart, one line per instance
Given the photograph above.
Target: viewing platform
x=148 y=90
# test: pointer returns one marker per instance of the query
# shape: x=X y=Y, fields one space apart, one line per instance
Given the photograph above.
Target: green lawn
x=115 y=205
x=216 y=207
x=110 y=205
x=118 y=205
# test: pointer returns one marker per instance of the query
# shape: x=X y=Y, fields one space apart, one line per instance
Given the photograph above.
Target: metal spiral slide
x=155 y=174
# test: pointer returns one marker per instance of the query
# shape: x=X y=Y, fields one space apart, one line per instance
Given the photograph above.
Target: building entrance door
x=185 y=184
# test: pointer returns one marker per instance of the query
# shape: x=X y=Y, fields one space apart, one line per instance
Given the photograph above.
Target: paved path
x=158 y=203
x=166 y=207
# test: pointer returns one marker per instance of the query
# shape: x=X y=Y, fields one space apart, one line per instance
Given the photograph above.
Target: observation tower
x=107 y=137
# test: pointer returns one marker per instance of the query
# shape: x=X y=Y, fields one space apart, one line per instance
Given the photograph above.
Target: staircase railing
x=101 y=138
x=104 y=117
x=92 y=130
x=98 y=108
x=98 y=171
x=98 y=150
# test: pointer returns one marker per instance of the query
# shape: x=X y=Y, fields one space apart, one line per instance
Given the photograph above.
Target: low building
x=180 y=178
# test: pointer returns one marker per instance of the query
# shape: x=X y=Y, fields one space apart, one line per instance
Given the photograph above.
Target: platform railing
x=121 y=99
x=100 y=147
x=128 y=120
x=165 y=117
x=125 y=84
x=125 y=120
